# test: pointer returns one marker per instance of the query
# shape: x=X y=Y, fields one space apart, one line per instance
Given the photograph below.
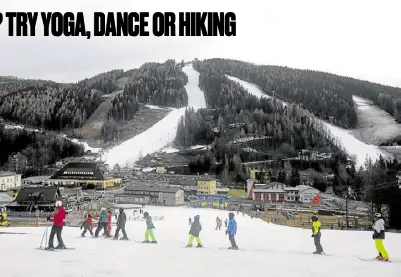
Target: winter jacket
x=379 y=230
x=316 y=228
x=58 y=216
x=87 y=224
x=232 y=227
x=149 y=223
x=103 y=217
x=122 y=218
x=220 y=223
x=196 y=227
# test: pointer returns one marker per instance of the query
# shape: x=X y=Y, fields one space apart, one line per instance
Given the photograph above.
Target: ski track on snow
x=269 y=249
x=355 y=148
x=162 y=133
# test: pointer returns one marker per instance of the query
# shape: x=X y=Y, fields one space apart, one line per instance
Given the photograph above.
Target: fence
x=140 y=217
x=28 y=214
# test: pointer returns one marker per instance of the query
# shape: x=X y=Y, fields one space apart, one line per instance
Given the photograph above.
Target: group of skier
x=378 y=236
x=196 y=227
x=104 y=223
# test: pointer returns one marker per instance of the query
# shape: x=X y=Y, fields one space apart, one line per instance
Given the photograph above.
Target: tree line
x=269 y=128
x=326 y=95
x=39 y=149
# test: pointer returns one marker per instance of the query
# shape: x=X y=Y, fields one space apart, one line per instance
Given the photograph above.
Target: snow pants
x=85 y=230
x=232 y=240
x=56 y=230
x=99 y=227
x=218 y=227
x=380 y=248
x=122 y=230
x=319 y=248
x=191 y=240
x=149 y=232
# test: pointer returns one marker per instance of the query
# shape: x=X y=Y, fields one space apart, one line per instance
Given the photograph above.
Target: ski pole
x=44 y=234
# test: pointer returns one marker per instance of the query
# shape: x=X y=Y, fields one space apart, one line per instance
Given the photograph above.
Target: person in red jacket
x=109 y=217
x=87 y=225
x=59 y=215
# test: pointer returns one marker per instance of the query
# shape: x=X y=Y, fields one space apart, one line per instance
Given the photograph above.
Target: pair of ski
x=55 y=249
x=374 y=260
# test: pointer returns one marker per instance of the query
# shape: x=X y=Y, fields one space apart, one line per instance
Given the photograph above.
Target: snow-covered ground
x=269 y=249
x=354 y=147
x=374 y=124
x=162 y=133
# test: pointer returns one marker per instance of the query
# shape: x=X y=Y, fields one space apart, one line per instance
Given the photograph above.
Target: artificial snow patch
x=351 y=145
x=152 y=107
x=170 y=150
x=162 y=133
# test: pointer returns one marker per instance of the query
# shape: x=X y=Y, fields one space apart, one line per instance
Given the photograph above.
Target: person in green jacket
x=196 y=227
x=149 y=228
x=316 y=234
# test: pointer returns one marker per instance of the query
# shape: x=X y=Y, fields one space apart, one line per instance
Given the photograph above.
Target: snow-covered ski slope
x=352 y=146
x=374 y=124
x=269 y=250
x=162 y=133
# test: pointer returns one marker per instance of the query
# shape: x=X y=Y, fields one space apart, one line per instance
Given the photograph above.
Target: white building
x=307 y=193
x=9 y=180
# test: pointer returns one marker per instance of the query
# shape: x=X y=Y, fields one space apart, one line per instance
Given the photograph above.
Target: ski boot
x=199 y=246
x=124 y=238
x=61 y=247
x=49 y=248
x=115 y=238
x=153 y=241
x=146 y=241
x=233 y=247
x=188 y=246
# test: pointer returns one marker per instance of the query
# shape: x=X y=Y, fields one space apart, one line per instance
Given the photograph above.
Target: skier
x=122 y=218
x=109 y=217
x=316 y=234
x=87 y=225
x=59 y=215
x=378 y=236
x=232 y=231
x=149 y=228
x=102 y=223
x=190 y=221
x=217 y=223
x=196 y=227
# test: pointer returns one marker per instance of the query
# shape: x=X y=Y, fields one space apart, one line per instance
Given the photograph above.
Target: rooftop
x=80 y=170
x=152 y=189
x=7 y=173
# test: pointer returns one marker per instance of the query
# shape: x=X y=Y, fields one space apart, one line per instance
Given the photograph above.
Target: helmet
x=145 y=214
x=196 y=217
x=59 y=203
x=314 y=217
x=103 y=209
x=315 y=212
x=121 y=210
x=231 y=215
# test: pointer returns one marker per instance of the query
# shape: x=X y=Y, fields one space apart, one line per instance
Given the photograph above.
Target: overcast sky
x=357 y=38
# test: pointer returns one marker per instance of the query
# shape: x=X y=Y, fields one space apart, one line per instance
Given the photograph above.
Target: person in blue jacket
x=232 y=231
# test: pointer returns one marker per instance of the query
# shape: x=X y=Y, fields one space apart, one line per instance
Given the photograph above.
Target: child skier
x=316 y=234
x=232 y=231
x=109 y=217
x=149 y=228
x=219 y=224
x=102 y=223
x=122 y=218
x=378 y=236
x=87 y=225
x=196 y=227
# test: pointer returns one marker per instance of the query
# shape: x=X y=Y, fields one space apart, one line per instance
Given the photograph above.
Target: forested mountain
x=46 y=104
x=105 y=82
x=323 y=94
x=271 y=129
x=39 y=149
